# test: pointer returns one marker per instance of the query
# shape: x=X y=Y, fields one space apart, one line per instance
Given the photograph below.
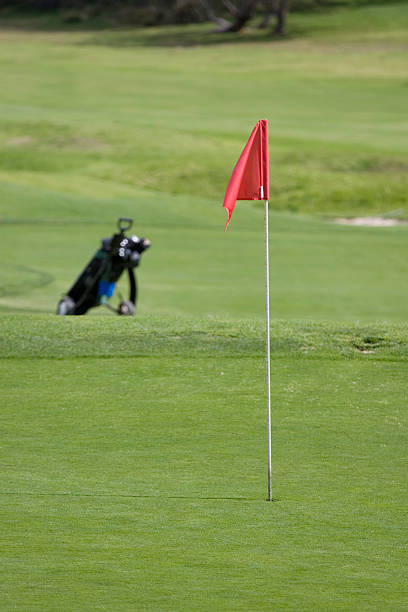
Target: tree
x=282 y=9
x=241 y=13
x=228 y=15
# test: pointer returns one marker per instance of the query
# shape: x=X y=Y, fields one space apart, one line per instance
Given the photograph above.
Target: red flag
x=250 y=177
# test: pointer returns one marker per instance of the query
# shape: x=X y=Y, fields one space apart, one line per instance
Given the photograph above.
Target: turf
x=136 y=465
x=94 y=112
x=133 y=451
x=319 y=270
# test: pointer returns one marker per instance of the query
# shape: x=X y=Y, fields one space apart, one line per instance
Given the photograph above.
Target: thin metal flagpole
x=268 y=349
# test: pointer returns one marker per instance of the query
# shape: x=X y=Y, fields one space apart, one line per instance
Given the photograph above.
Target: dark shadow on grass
x=176 y=36
x=40 y=21
x=103 y=33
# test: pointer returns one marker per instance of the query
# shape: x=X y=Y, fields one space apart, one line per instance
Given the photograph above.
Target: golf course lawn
x=135 y=465
x=134 y=450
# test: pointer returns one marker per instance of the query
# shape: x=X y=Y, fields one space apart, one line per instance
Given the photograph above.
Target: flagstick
x=268 y=350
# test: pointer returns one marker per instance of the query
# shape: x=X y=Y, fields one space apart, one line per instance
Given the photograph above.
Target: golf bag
x=96 y=284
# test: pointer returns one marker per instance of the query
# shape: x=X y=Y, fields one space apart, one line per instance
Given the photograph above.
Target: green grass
x=133 y=451
x=168 y=109
x=318 y=270
x=136 y=457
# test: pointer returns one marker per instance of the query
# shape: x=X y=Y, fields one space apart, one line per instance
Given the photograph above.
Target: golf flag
x=250 y=177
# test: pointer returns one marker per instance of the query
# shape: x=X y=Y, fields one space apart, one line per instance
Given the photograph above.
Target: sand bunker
x=371 y=221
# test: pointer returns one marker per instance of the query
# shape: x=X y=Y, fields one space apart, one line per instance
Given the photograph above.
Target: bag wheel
x=66 y=306
x=126 y=308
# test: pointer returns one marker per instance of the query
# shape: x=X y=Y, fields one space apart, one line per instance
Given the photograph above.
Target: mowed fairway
x=134 y=451
x=135 y=466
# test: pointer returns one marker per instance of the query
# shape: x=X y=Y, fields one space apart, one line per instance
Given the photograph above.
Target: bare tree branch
x=230 y=7
x=222 y=24
x=270 y=11
x=283 y=9
x=244 y=10
x=244 y=15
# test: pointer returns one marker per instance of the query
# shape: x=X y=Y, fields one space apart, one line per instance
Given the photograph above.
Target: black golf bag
x=96 y=284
